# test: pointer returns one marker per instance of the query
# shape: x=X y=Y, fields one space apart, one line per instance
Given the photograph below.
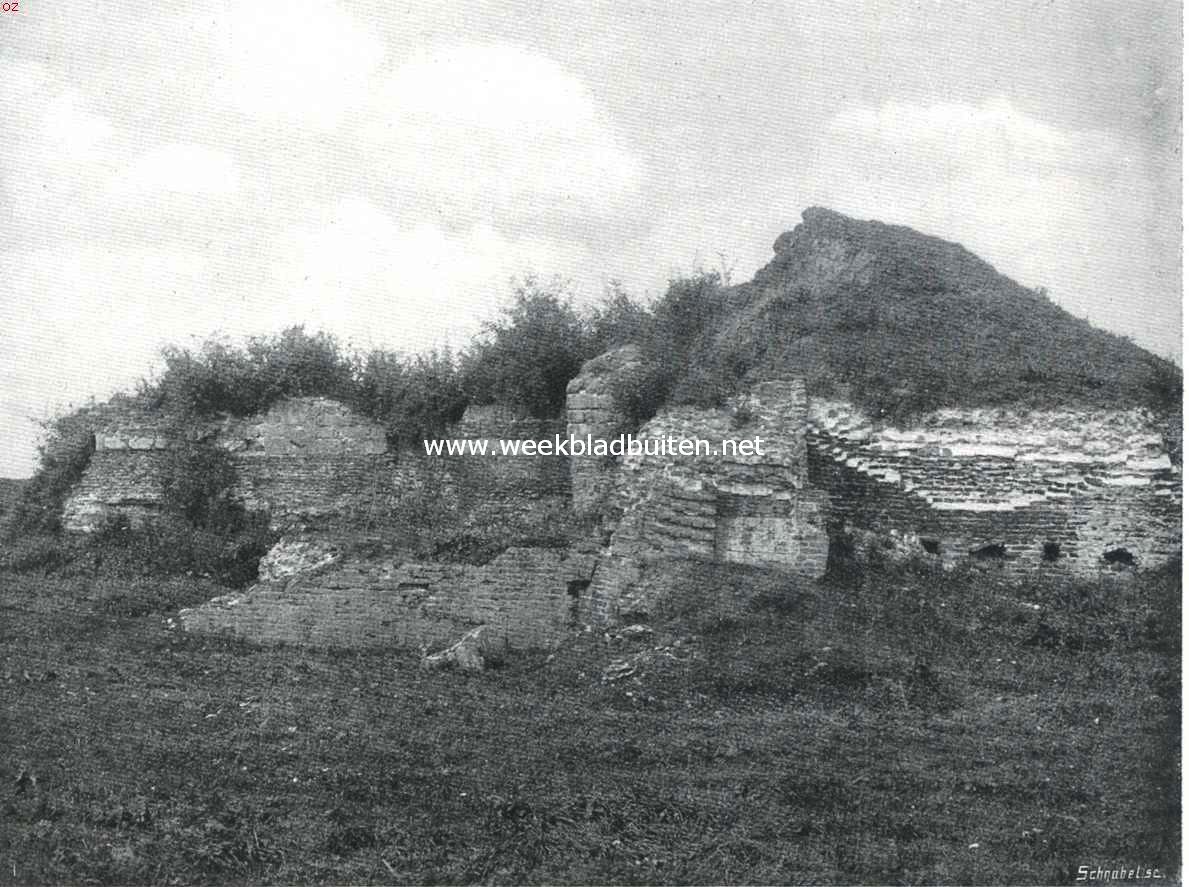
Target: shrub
x=197 y=482
x=415 y=398
x=64 y=457
x=638 y=396
x=204 y=530
x=617 y=319
x=672 y=336
x=221 y=377
x=170 y=546
x=527 y=356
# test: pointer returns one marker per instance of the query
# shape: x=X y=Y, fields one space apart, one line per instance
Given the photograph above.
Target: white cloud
x=121 y=246
x=179 y=169
x=352 y=269
x=72 y=129
x=59 y=148
x=965 y=134
x=81 y=322
x=963 y=126
x=503 y=131
x=301 y=61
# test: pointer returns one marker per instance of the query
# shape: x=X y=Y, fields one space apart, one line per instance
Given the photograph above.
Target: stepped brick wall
x=747 y=509
x=1026 y=489
x=124 y=474
x=531 y=596
x=591 y=410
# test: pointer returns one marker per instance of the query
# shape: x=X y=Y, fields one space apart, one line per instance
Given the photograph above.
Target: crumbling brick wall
x=499 y=485
x=124 y=473
x=309 y=461
x=741 y=508
x=531 y=596
x=1024 y=490
x=592 y=410
x=312 y=462
x=305 y=461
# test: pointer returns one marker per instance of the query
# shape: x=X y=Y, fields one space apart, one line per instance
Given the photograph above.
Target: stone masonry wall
x=311 y=462
x=308 y=461
x=1053 y=490
x=746 y=509
x=124 y=474
x=591 y=410
x=504 y=484
x=531 y=596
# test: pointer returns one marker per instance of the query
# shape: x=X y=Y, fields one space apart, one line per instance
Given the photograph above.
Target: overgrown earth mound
x=903 y=323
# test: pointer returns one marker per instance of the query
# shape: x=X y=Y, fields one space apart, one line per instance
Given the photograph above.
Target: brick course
x=530 y=596
x=1085 y=482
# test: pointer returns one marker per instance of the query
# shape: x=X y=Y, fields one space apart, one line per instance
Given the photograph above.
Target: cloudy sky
x=381 y=169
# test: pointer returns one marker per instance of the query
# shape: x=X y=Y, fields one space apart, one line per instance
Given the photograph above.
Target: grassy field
x=919 y=729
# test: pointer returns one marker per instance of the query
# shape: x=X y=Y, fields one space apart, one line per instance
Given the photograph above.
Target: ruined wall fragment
x=592 y=410
x=532 y=597
x=1025 y=490
x=742 y=508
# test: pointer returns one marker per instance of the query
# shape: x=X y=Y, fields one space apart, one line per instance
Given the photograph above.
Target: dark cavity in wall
x=1120 y=557
x=1052 y=551
x=840 y=555
x=931 y=546
x=575 y=589
x=995 y=552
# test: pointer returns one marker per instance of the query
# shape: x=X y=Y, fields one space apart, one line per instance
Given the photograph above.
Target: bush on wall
x=527 y=356
x=222 y=377
x=414 y=398
x=64 y=457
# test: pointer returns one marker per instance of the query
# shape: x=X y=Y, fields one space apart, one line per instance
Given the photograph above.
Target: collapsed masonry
x=1056 y=490
x=747 y=509
x=305 y=460
x=1026 y=492
x=1020 y=491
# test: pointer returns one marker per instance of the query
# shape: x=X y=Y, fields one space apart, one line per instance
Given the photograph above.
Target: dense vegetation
x=524 y=358
x=910 y=729
x=37 y=508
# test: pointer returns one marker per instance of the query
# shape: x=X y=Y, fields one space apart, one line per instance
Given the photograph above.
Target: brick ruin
x=1021 y=491
x=1026 y=491
x=741 y=509
x=305 y=461
x=1081 y=492
x=312 y=464
x=530 y=596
